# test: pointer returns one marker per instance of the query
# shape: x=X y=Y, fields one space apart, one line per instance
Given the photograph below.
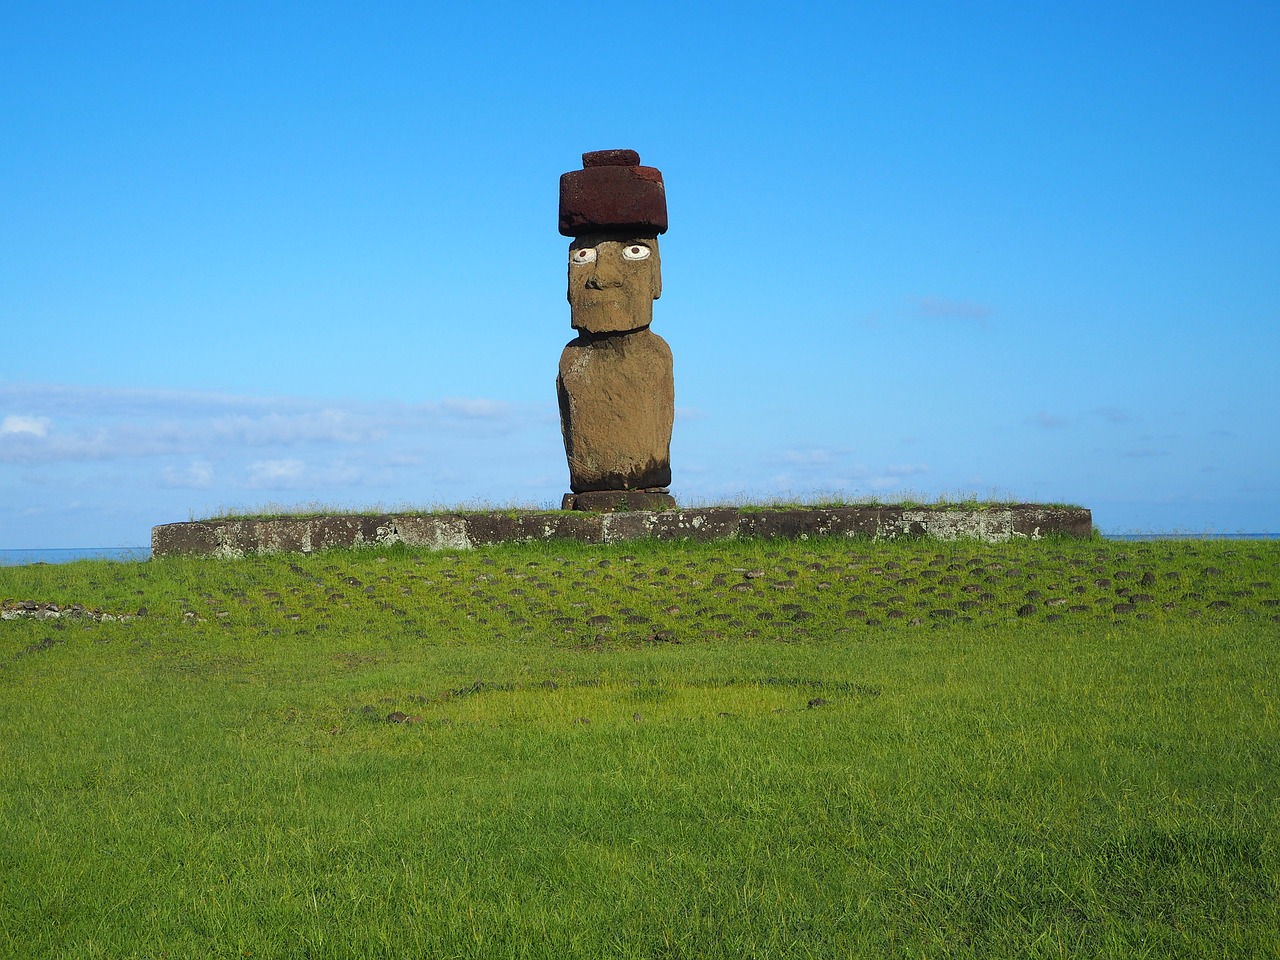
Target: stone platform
x=459 y=531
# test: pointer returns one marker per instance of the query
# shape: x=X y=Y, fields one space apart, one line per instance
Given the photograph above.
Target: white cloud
x=405 y=460
x=276 y=474
x=30 y=426
x=906 y=469
x=891 y=476
x=196 y=475
x=324 y=426
x=120 y=401
x=827 y=471
x=97 y=423
x=479 y=409
x=292 y=473
x=89 y=442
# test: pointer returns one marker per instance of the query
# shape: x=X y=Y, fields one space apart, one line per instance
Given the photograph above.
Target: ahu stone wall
x=461 y=531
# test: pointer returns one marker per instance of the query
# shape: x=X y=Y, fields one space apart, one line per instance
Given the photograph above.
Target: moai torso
x=616 y=388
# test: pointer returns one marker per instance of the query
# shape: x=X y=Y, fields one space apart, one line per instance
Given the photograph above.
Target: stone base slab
x=619 y=501
x=461 y=531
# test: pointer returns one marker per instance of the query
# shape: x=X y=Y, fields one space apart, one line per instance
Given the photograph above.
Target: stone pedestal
x=620 y=501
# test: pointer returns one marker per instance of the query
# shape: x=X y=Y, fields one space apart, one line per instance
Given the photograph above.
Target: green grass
x=783 y=769
x=908 y=499
x=905 y=499
x=276 y=511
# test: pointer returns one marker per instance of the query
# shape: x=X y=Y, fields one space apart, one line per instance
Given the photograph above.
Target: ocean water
x=1191 y=536
x=9 y=558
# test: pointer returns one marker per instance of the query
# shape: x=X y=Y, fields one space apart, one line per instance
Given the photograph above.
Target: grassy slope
x=218 y=777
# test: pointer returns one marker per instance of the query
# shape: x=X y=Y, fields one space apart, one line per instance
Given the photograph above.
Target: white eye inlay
x=583 y=255
x=635 y=251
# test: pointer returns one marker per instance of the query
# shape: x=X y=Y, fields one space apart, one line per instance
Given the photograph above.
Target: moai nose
x=606 y=274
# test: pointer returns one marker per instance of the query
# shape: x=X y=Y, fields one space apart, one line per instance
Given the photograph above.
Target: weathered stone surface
x=1032 y=520
x=238 y=538
x=613 y=281
x=817 y=522
x=486 y=528
x=584 y=527
x=335 y=531
x=706 y=523
x=612 y=192
x=774 y=523
x=611 y=158
x=614 y=501
x=440 y=532
x=174 y=539
x=617 y=406
x=235 y=538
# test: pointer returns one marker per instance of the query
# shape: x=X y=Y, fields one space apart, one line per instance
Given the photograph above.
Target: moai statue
x=616 y=388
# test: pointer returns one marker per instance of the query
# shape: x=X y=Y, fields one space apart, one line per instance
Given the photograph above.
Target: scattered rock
x=30 y=609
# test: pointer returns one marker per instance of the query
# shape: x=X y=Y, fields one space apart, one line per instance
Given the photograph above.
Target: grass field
x=738 y=749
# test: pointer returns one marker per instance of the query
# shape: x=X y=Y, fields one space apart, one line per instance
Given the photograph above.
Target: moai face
x=613 y=281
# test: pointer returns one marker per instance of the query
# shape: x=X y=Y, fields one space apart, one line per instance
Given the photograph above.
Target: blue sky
x=284 y=254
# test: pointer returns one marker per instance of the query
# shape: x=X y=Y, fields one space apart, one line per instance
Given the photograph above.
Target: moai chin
x=616 y=387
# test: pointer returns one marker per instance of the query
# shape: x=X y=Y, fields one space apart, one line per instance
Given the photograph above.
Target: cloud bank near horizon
x=127 y=458
x=123 y=458
x=93 y=466
x=51 y=424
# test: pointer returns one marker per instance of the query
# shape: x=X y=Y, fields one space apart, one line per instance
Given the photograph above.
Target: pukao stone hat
x=613 y=192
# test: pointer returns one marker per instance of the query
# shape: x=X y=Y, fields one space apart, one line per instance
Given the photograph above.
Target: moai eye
x=635 y=251
x=583 y=255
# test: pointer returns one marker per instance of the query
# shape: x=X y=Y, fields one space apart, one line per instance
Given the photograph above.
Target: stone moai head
x=614 y=209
